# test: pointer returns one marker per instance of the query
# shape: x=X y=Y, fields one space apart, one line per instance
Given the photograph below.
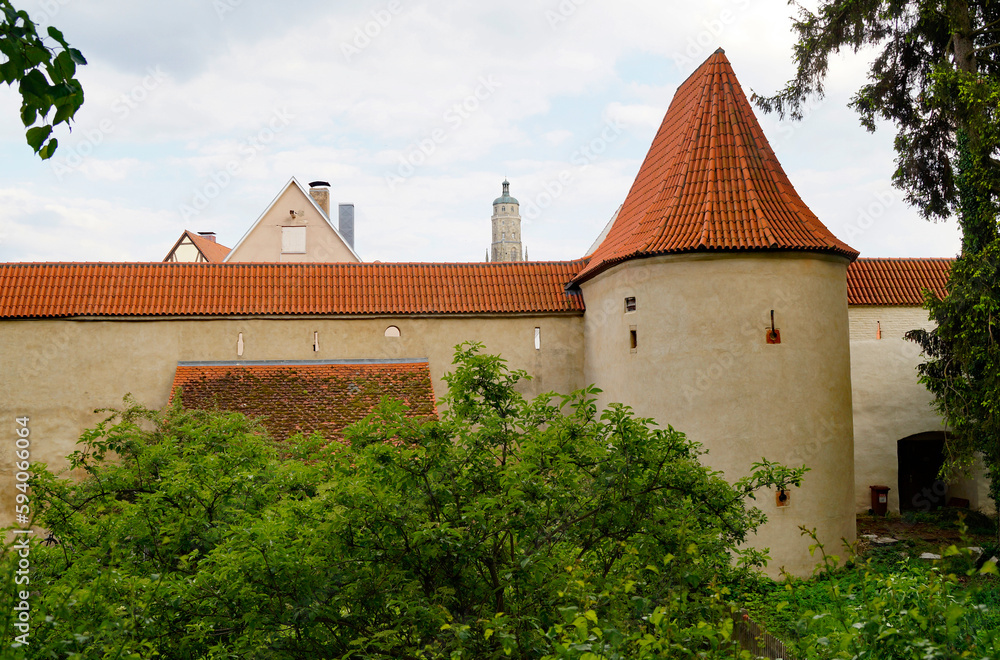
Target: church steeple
x=506 y=245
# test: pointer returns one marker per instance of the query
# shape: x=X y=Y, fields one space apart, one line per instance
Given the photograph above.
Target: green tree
x=963 y=362
x=45 y=78
x=486 y=534
x=936 y=76
x=933 y=76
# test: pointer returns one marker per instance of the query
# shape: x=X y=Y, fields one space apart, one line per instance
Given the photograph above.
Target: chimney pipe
x=320 y=192
x=210 y=235
x=347 y=223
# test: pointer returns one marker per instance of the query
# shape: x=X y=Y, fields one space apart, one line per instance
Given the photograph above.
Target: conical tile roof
x=711 y=182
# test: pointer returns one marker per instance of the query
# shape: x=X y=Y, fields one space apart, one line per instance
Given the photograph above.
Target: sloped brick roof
x=305 y=397
x=896 y=281
x=213 y=252
x=34 y=290
x=711 y=182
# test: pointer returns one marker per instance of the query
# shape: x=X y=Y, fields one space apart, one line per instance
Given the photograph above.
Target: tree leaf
x=36 y=136
x=49 y=149
x=34 y=84
x=29 y=114
x=58 y=36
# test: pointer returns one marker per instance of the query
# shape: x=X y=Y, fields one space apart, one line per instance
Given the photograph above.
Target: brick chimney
x=320 y=192
x=209 y=235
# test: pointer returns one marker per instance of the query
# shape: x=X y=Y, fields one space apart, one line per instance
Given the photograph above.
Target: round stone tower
x=506 y=244
x=717 y=304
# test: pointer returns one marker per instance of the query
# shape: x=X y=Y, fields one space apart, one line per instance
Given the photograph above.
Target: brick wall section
x=896 y=321
x=289 y=399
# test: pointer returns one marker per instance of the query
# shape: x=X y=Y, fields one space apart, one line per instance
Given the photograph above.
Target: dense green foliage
x=887 y=606
x=934 y=75
x=963 y=360
x=46 y=79
x=507 y=528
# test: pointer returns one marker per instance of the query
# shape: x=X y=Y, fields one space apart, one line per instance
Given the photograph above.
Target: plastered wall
x=702 y=365
x=57 y=372
x=890 y=404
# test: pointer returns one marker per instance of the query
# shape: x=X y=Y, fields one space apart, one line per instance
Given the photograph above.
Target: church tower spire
x=506 y=244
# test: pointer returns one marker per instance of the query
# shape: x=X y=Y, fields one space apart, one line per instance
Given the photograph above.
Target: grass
x=779 y=607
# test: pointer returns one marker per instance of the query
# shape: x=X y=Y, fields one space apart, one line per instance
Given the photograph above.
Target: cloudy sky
x=198 y=112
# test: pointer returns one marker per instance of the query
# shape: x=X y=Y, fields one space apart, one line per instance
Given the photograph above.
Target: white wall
x=890 y=403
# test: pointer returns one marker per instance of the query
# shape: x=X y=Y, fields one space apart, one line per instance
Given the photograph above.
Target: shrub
x=488 y=533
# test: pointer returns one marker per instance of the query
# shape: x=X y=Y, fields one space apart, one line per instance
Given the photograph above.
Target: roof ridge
x=284 y=264
x=264 y=289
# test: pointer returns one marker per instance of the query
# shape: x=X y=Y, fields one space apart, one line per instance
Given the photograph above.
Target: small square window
x=630 y=304
x=293 y=240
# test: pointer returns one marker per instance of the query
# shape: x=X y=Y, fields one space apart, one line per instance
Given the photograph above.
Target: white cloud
x=353 y=120
x=635 y=116
x=557 y=137
x=37 y=227
x=110 y=170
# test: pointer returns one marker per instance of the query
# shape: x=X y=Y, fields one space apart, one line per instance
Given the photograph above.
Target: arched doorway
x=920 y=459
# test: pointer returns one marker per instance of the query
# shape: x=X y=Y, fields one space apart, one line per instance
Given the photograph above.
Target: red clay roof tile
x=213 y=252
x=33 y=290
x=711 y=182
x=306 y=397
x=896 y=281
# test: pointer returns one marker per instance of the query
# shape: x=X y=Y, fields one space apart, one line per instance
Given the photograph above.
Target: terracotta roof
x=32 y=290
x=213 y=252
x=895 y=281
x=711 y=182
x=305 y=397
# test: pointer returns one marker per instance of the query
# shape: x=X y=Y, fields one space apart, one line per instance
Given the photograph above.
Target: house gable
x=293 y=229
x=192 y=248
